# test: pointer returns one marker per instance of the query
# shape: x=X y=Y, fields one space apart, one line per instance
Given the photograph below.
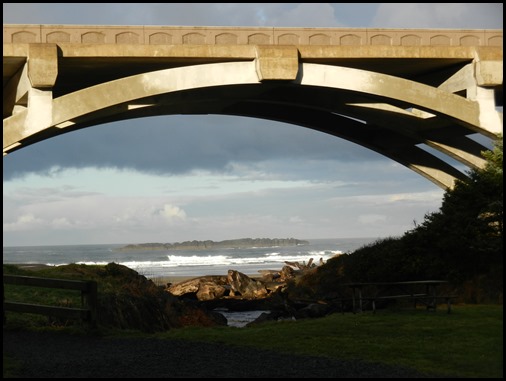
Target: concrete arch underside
x=390 y=115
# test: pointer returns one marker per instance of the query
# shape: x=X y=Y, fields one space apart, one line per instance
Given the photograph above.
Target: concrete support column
x=479 y=80
x=40 y=110
x=42 y=72
x=490 y=118
x=488 y=72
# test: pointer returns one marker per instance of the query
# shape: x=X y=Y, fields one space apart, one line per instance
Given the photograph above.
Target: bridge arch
x=389 y=115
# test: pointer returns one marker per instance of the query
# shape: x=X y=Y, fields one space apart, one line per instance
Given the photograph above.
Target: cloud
x=61 y=223
x=184 y=177
x=439 y=15
x=312 y=15
x=179 y=14
x=245 y=14
x=371 y=219
x=171 y=212
x=175 y=145
x=380 y=15
x=23 y=223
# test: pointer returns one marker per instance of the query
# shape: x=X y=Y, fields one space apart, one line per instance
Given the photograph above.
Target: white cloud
x=61 y=223
x=23 y=223
x=171 y=212
x=371 y=219
x=141 y=208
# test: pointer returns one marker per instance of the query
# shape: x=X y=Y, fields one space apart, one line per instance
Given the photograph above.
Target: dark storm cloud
x=175 y=145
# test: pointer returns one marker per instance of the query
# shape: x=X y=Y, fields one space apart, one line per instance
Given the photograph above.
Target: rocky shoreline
x=261 y=297
x=237 y=292
x=242 y=243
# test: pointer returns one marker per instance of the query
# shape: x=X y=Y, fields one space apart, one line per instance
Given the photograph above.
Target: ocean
x=188 y=263
x=159 y=265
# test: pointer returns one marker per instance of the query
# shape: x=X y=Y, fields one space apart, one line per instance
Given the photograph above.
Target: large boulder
x=244 y=286
x=203 y=288
x=211 y=291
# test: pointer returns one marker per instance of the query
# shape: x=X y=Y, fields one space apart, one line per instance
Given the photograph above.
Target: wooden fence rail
x=87 y=312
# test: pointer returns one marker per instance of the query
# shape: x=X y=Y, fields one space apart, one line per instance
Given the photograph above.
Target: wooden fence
x=87 y=312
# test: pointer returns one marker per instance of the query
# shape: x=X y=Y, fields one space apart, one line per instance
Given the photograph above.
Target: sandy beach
x=160 y=280
x=29 y=266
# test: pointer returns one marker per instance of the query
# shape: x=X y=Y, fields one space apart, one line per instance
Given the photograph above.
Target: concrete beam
x=277 y=63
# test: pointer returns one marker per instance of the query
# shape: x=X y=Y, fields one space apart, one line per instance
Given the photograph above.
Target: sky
x=217 y=177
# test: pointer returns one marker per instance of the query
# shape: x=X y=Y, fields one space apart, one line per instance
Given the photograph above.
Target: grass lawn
x=466 y=343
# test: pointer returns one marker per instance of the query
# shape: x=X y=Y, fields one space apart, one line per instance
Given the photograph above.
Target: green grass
x=36 y=295
x=466 y=343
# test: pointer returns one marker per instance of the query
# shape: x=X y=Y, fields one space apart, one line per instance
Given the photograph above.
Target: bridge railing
x=197 y=35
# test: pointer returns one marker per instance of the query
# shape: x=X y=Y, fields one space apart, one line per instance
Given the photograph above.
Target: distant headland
x=242 y=243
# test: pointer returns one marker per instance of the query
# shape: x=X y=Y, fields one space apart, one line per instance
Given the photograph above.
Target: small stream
x=239 y=318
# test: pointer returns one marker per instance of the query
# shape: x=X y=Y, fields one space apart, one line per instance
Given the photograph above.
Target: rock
x=206 y=245
x=287 y=273
x=244 y=286
x=211 y=290
x=264 y=317
x=269 y=275
x=192 y=286
x=191 y=314
x=186 y=287
x=274 y=286
x=276 y=315
x=312 y=310
x=239 y=292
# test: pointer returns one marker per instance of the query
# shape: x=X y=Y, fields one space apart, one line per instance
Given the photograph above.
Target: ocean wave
x=189 y=263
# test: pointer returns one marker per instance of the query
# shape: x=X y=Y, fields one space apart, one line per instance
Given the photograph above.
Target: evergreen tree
x=461 y=242
x=467 y=231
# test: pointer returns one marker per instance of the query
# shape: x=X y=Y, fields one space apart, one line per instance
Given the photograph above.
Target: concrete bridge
x=394 y=91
